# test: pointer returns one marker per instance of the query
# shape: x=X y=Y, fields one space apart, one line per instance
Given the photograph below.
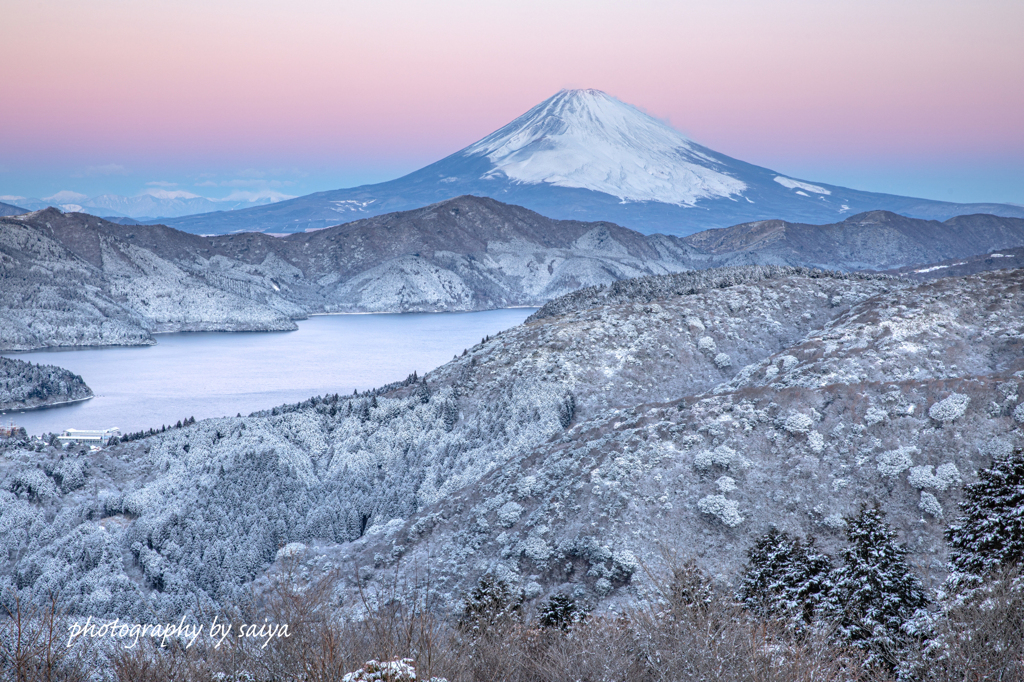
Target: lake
x=216 y=374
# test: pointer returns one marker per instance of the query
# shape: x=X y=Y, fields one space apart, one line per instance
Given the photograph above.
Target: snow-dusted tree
x=785 y=578
x=990 y=533
x=450 y=413
x=566 y=410
x=399 y=670
x=492 y=602
x=875 y=593
x=560 y=611
x=423 y=392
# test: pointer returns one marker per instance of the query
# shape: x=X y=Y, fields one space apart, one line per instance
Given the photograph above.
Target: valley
x=511 y=342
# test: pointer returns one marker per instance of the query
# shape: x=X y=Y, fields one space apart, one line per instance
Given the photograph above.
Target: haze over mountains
x=77 y=280
x=584 y=155
x=153 y=203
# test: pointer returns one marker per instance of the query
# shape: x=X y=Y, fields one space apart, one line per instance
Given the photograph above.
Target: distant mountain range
x=877 y=240
x=151 y=205
x=1002 y=259
x=74 y=279
x=8 y=209
x=583 y=155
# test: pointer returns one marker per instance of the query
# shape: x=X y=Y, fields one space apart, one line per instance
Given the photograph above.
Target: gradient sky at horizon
x=918 y=97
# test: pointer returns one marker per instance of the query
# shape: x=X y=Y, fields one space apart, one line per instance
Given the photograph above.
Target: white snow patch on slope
x=938 y=267
x=590 y=140
x=790 y=183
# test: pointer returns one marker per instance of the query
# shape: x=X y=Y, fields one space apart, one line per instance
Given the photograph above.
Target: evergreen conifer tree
x=450 y=414
x=490 y=603
x=786 y=578
x=767 y=561
x=423 y=392
x=566 y=410
x=875 y=593
x=560 y=611
x=989 y=535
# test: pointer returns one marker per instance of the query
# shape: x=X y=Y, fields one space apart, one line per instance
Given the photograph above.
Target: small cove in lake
x=217 y=374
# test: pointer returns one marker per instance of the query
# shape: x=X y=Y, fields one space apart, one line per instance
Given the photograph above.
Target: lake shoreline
x=213 y=374
x=165 y=332
x=47 y=406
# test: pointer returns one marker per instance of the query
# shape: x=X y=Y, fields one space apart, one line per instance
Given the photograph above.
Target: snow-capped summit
x=590 y=140
x=584 y=155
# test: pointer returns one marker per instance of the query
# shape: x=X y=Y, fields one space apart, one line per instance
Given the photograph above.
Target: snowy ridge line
x=287 y=408
x=655 y=287
x=411 y=380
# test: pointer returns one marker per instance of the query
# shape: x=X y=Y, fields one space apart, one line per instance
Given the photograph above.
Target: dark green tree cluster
x=867 y=598
x=874 y=593
x=491 y=603
x=786 y=578
x=560 y=611
x=989 y=535
x=871 y=599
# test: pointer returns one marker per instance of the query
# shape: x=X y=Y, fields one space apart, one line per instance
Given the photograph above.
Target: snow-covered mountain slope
x=77 y=280
x=686 y=413
x=588 y=140
x=875 y=240
x=1001 y=259
x=73 y=279
x=585 y=155
x=26 y=385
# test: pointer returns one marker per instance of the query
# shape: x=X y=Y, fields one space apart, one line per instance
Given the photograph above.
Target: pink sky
x=346 y=90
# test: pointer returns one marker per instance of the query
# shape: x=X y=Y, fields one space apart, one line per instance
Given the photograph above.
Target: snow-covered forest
x=26 y=384
x=837 y=457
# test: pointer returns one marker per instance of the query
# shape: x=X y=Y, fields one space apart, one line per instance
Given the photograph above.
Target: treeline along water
x=215 y=374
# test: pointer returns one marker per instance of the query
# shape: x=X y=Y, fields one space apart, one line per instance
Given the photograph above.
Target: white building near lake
x=91 y=436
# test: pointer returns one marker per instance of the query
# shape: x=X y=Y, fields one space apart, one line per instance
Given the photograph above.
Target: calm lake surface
x=216 y=374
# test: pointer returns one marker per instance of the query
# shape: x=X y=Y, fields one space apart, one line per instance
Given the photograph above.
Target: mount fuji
x=584 y=155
